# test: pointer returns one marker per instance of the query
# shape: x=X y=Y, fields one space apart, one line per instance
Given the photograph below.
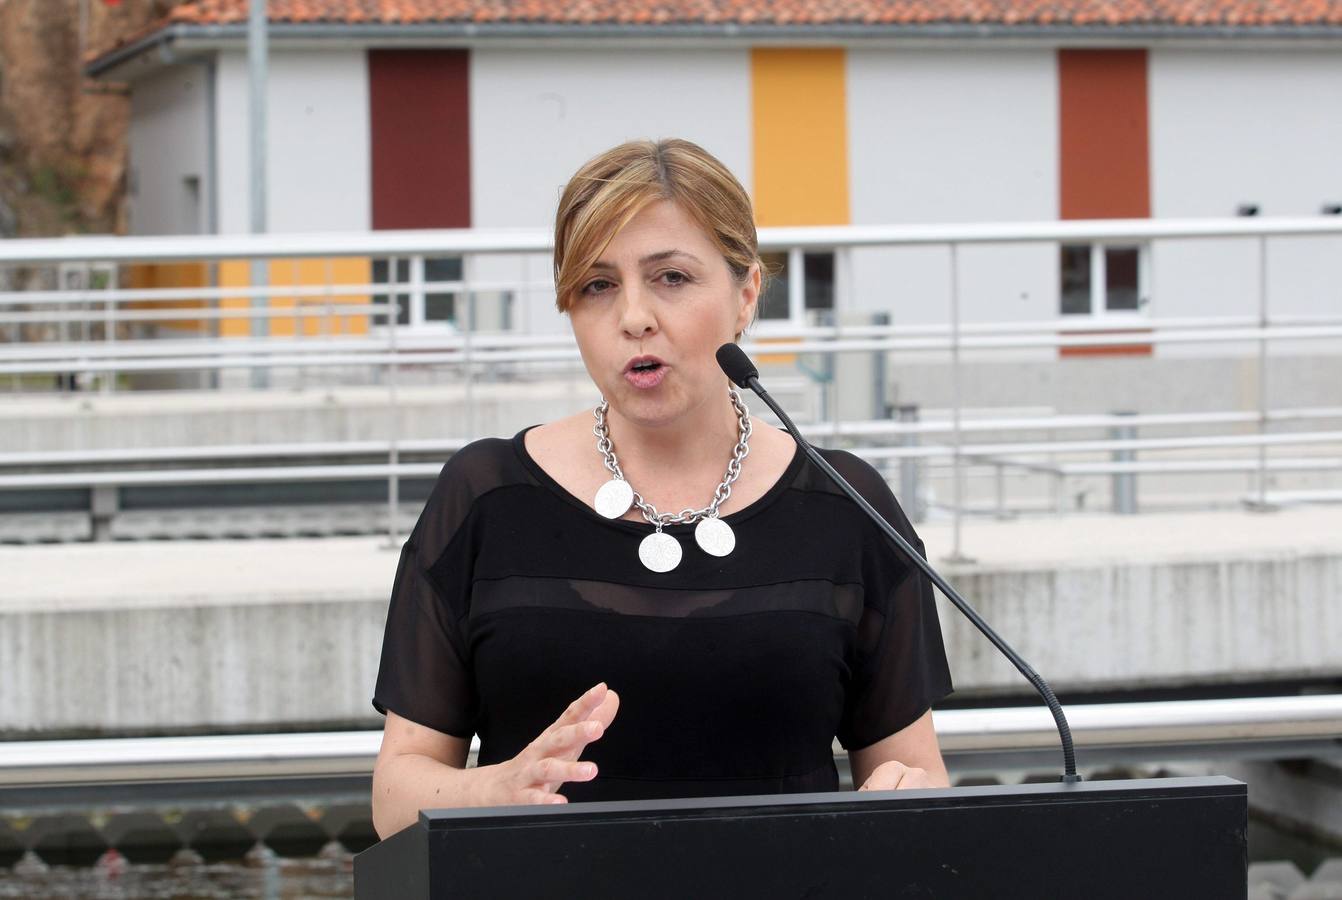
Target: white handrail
x=450 y=242
x=218 y=354
x=869 y=428
x=998 y=454
x=1220 y=725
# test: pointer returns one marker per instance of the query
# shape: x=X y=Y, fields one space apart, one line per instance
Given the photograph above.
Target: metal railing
x=389 y=348
x=971 y=739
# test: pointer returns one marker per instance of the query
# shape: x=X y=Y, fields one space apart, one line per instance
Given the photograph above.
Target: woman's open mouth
x=645 y=371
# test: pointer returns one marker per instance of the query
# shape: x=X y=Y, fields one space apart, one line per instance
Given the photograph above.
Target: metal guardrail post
x=104 y=504
x=909 y=469
x=999 y=479
x=956 y=555
x=394 y=420
x=1261 y=505
x=1124 y=489
x=468 y=329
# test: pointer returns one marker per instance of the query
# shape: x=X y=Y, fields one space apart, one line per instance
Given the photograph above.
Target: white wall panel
x=537 y=115
x=954 y=136
x=169 y=152
x=318 y=142
x=1245 y=126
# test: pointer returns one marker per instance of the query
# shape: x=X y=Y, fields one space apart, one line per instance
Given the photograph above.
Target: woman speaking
x=660 y=597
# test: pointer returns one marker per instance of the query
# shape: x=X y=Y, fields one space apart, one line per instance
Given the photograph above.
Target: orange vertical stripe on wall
x=317 y=272
x=799 y=111
x=1104 y=154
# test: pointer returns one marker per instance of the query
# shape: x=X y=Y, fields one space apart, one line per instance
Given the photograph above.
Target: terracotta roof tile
x=783 y=13
x=1182 y=12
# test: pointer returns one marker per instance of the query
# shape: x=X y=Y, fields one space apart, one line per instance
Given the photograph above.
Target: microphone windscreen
x=736 y=364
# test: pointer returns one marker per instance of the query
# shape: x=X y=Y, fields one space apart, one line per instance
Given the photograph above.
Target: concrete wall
x=1128 y=625
x=287 y=634
x=318 y=157
x=169 y=146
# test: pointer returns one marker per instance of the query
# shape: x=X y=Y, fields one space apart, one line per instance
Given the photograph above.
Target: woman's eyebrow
x=667 y=254
x=650 y=258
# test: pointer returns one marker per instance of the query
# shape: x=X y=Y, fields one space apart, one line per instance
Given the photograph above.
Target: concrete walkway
x=189 y=573
x=1153 y=538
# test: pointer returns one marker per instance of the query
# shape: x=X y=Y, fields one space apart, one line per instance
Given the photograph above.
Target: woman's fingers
x=569 y=728
x=552 y=758
x=916 y=778
x=536 y=796
x=551 y=771
x=894 y=776
x=605 y=711
x=571 y=739
x=579 y=709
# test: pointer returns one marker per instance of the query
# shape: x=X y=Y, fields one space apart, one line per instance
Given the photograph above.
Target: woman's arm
x=420 y=768
x=417 y=768
x=908 y=758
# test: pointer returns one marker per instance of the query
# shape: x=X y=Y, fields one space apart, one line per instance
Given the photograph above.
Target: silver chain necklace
x=658 y=551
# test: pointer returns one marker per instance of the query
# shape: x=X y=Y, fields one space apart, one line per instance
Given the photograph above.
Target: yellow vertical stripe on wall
x=799 y=104
x=299 y=273
x=160 y=276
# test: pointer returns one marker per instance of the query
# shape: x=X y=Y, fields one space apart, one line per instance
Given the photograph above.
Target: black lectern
x=1169 y=837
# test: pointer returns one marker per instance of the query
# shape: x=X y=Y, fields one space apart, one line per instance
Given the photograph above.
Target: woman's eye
x=596 y=287
x=673 y=277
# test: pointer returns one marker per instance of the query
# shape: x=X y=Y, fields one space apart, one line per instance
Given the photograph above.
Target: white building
x=885 y=113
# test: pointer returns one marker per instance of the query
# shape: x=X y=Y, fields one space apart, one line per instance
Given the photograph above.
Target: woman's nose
x=636 y=315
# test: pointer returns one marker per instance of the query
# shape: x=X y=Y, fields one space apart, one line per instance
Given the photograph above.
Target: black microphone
x=743 y=373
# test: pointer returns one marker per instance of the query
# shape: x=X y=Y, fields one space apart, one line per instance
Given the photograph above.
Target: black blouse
x=513 y=597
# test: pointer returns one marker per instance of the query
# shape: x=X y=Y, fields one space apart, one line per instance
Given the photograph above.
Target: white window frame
x=414 y=287
x=796 y=293
x=1099 y=307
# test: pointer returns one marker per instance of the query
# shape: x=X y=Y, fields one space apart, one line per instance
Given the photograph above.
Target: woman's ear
x=750 y=299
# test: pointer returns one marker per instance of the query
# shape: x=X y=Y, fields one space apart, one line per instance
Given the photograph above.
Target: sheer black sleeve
x=900 y=668
x=425 y=673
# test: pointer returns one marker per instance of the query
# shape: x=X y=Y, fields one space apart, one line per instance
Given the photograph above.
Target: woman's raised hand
x=534 y=775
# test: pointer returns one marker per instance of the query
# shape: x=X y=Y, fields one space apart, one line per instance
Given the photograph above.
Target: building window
x=780 y=302
x=428 y=308
x=1103 y=279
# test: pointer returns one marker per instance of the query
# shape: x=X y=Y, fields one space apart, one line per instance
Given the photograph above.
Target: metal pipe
x=54 y=358
x=956 y=556
x=1220 y=726
x=1124 y=482
x=441 y=242
x=362 y=471
x=393 y=424
x=1262 y=374
x=257 y=52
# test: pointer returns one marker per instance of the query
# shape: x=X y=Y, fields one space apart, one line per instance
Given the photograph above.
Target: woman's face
x=652 y=312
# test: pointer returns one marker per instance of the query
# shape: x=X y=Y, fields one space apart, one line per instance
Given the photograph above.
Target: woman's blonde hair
x=609 y=190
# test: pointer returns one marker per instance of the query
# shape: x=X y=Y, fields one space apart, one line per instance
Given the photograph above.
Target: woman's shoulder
x=868 y=482
x=855 y=470
x=471 y=473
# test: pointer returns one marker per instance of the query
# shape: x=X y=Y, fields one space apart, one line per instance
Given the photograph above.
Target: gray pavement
x=177 y=573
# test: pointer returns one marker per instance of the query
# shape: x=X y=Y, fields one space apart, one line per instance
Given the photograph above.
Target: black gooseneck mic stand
x=743 y=373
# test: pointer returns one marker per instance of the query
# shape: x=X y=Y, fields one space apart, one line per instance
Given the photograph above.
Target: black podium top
x=1181 y=837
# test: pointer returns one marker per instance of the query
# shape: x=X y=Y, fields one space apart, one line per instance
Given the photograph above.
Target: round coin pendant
x=660 y=552
x=715 y=537
x=614 y=498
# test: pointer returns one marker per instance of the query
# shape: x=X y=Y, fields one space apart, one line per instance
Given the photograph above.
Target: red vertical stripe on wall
x=421 y=144
x=1102 y=117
